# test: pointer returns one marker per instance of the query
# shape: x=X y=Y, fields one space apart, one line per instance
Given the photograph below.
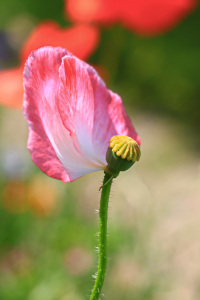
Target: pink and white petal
x=120 y=119
x=110 y=117
x=76 y=106
x=103 y=127
x=49 y=141
x=44 y=156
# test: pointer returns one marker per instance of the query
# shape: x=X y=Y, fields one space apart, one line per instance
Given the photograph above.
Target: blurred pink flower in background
x=81 y=40
x=145 y=17
x=71 y=114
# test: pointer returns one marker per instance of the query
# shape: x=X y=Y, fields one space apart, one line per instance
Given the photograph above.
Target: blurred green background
x=48 y=229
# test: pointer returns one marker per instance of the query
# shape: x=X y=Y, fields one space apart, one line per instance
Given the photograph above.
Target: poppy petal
x=49 y=142
x=76 y=106
x=121 y=121
x=90 y=111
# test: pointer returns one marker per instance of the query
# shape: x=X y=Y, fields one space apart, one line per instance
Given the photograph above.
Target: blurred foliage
x=53 y=258
x=39 y=10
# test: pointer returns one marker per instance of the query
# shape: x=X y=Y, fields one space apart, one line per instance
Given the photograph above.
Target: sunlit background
x=149 y=53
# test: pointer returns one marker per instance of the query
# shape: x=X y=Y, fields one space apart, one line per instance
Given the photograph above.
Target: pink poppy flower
x=79 y=39
x=71 y=114
x=145 y=17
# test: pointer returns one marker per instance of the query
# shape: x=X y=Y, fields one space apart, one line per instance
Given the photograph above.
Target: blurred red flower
x=81 y=40
x=145 y=17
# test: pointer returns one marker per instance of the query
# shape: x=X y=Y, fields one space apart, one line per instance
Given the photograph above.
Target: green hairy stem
x=103 y=217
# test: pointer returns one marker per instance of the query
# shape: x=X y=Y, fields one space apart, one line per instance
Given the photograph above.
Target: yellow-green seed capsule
x=122 y=153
